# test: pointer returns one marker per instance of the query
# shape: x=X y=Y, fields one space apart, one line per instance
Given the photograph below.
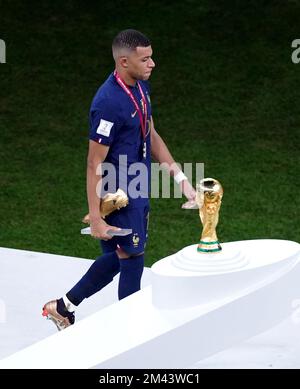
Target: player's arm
x=161 y=154
x=96 y=155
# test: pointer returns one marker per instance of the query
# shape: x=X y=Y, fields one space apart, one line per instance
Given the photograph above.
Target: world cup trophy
x=209 y=193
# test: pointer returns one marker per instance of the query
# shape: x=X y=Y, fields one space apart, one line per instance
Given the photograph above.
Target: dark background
x=224 y=92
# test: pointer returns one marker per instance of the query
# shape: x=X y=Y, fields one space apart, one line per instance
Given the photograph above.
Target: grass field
x=225 y=92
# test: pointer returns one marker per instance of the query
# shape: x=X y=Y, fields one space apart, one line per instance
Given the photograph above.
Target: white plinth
x=150 y=337
x=189 y=278
x=230 y=258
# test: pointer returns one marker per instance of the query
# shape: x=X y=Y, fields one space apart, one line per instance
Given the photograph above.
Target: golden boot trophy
x=111 y=202
x=209 y=198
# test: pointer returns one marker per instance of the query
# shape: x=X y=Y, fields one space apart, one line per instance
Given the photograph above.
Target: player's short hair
x=128 y=40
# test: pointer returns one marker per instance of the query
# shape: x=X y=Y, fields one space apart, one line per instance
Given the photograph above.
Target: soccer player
x=122 y=133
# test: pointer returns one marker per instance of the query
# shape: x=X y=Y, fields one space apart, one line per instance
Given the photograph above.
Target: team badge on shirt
x=104 y=127
x=135 y=240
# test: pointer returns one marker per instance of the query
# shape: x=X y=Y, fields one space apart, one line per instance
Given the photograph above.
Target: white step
x=132 y=333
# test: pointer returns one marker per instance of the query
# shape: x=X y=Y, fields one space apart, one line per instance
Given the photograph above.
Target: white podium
x=191 y=307
x=189 y=278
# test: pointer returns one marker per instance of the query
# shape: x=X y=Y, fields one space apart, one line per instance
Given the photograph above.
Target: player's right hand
x=99 y=229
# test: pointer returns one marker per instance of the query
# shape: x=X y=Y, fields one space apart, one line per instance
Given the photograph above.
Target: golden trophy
x=209 y=197
x=109 y=203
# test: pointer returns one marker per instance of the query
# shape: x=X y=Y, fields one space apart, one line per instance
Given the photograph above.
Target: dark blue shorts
x=135 y=218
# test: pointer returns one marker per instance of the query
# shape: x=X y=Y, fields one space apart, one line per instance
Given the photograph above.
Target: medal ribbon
x=143 y=120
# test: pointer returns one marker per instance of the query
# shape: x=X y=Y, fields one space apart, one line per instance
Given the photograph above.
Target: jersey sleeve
x=104 y=122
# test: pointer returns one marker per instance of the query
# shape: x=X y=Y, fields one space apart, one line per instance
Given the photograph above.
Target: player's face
x=140 y=63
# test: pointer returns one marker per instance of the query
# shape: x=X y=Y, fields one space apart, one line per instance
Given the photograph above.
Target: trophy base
x=209 y=247
x=229 y=259
x=188 y=278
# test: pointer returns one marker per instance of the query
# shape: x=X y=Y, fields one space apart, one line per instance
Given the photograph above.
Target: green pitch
x=225 y=92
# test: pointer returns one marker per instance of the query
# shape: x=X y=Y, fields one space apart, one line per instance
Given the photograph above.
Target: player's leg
x=128 y=258
x=131 y=270
x=131 y=252
x=100 y=274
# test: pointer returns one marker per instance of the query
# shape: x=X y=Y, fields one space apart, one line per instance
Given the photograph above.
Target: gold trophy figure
x=209 y=198
x=109 y=203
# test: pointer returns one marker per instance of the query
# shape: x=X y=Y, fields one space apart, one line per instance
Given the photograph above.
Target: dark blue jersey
x=115 y=122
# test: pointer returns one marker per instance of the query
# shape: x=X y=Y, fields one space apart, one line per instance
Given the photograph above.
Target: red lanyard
x=137 y=107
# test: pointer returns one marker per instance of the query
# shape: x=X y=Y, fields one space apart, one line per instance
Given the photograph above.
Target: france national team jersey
x=115 y=122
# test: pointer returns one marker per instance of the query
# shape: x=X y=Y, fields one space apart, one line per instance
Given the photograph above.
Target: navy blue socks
x=100 y=274
x=131 y=270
